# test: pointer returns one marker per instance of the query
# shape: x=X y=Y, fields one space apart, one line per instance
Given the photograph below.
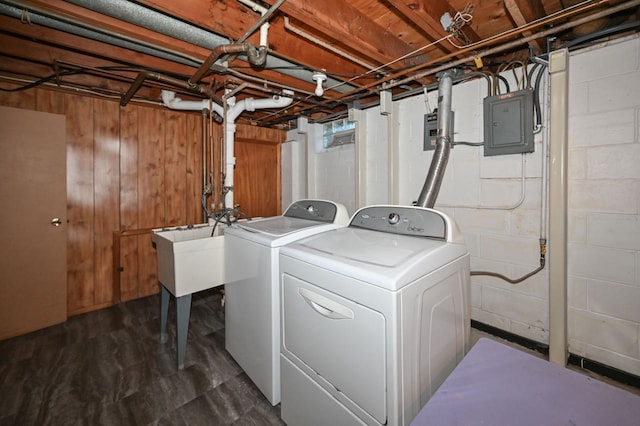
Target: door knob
x=56 y=221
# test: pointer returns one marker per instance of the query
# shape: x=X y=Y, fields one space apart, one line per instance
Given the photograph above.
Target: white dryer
x=374 y=317
x=252 y=303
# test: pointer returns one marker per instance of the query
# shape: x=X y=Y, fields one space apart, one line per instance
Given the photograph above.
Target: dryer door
x=342 y=341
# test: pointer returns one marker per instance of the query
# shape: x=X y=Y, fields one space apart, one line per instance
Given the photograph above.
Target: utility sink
x=189 y=258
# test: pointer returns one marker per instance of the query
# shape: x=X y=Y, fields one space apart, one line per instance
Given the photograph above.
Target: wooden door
x=33 y=225
x=257 y=177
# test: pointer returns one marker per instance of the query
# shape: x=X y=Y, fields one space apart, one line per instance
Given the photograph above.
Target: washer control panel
x=318 y=210
x=414 y=221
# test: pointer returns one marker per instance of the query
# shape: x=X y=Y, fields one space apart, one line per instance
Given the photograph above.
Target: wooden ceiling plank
x=231 y=19
x=524 y=11
x=428 y=22
x=348 y=27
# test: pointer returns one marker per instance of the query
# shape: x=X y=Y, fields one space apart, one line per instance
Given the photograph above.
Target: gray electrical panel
x=431 y=130
x=508 y=123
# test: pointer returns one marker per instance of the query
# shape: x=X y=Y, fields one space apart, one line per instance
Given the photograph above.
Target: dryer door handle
x=324 y=306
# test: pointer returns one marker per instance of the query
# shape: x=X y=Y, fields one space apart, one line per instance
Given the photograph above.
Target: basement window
x=339 y=132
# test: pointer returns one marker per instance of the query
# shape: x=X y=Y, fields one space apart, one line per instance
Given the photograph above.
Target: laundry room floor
x=107 y=367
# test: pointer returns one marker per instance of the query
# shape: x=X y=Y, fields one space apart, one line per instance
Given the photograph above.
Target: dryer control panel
x=318 y=210
x=412 y=221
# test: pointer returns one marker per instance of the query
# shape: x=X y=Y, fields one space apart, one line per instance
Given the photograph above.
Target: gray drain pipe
x=443 y=143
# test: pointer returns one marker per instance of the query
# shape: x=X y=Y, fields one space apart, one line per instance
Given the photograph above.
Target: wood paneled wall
x=127 y=168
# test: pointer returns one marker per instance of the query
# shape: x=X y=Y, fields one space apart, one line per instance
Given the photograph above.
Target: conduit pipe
x=440 y=158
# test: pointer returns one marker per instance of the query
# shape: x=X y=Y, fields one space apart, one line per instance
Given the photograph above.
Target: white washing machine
x=374 y=317
x=252 y=303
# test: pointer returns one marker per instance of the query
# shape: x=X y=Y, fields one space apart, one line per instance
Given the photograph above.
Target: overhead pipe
x=257 y=57
x=230 y=110
x=440 y=158
x=233 y=111
x=144 y=75
x=15 y=9
x=142 y=16
x=171 y=101
x=262 y=22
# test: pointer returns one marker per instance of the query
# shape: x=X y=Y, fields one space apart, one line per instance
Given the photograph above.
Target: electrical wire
x=468 y=143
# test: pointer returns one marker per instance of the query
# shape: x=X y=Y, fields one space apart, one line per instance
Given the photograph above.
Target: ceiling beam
x=522 y=12
x=426 y=16
x=366 y=39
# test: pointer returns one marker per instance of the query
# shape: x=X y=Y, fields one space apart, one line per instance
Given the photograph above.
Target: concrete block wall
x=331 y=171
x=484 y=195
x=604 y=204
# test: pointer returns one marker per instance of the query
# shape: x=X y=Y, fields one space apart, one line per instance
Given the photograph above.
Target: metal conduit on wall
x=440 y=158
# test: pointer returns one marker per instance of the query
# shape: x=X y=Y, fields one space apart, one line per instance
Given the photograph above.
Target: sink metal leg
x=164 y=312
x=183 y=312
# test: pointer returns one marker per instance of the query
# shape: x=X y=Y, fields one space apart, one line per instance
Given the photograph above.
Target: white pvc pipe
x=170 y=100
x=233 y=110
x=264 y=28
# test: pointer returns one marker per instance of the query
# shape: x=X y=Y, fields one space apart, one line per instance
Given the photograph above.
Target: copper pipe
x=255 y=58
x=144 y=75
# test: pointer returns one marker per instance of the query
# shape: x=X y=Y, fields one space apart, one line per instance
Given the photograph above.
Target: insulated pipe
x=443 y=143
x=142 y=16
x=15 y=9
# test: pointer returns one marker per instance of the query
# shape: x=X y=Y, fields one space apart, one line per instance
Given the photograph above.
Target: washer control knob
x=311 y=209
x=393 y=218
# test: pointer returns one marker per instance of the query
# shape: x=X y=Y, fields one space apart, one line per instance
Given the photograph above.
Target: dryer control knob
x=311 y=209
x=394 y=218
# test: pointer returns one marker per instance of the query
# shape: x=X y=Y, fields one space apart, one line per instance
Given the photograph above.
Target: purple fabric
x=498 y=385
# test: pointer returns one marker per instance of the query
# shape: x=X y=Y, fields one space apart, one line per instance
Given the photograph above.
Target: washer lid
x=387 y=260
x=302 y=219
x=278 y=226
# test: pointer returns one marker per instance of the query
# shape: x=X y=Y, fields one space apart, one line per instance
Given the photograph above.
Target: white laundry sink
x=189 y=258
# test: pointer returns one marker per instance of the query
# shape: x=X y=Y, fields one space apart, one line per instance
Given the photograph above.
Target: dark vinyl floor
x=108 y=368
